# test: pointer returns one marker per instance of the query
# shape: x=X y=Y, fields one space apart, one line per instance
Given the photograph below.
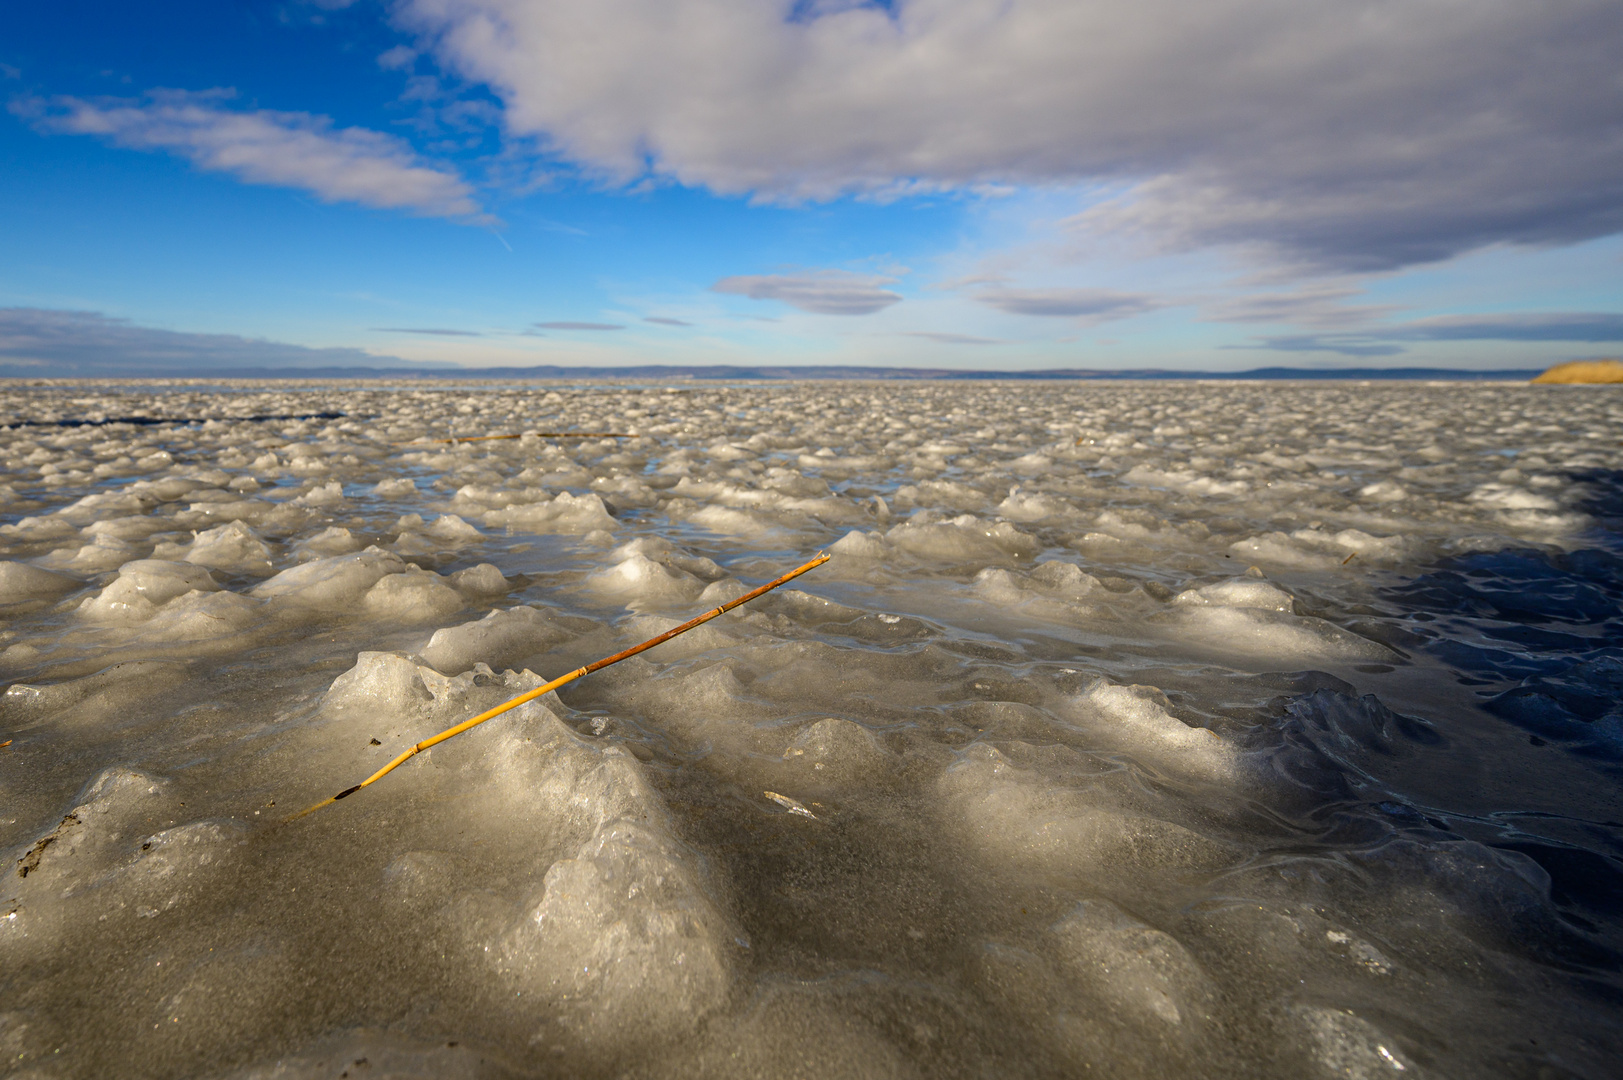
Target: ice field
x=1133 y=730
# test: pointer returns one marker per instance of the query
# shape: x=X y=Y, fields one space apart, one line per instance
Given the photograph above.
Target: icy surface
x=1134 y=730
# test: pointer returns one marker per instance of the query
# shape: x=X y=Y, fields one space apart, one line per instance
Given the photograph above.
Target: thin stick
x=596 y=665
x=537 y=434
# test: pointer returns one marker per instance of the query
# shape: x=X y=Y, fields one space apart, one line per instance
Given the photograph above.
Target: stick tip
x=306 y=812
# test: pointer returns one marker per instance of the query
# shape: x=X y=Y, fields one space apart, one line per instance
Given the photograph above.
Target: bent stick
x=596 y=665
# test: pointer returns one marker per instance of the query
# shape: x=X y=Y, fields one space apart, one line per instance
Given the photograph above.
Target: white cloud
x=1316 y=304
x=1586 y=327
x=279 y=149
x=1089 y=305
x=431 y=331
x=823 y=292
x=398 y=58
x=941 y=338
x=62 y=343
x=1362 y=133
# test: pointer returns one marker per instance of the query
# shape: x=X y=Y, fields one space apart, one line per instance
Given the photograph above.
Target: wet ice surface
x=1134 y=730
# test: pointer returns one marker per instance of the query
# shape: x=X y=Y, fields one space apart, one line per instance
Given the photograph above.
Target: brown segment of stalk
x=596 y=665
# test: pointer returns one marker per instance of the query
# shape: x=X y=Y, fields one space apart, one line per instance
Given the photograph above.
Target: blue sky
x=1011 y=184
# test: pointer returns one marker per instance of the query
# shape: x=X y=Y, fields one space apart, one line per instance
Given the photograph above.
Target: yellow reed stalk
x=596 y=665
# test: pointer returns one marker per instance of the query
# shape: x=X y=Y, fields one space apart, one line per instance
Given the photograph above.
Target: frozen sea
x=1133 y=730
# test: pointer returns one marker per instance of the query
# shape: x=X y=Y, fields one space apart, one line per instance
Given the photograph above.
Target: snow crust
x=1133 y=730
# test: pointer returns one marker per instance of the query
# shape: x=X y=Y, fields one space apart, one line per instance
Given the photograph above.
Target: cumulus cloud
x=1089 y=305
x=1364 y=134
x=279 y=149
x=579 y=326
x=52 y=343
x=822 y=292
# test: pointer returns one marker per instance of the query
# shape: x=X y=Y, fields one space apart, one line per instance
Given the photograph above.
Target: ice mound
x=201 y=616
x=104 y=504
x=832 y=753
x=1185 y=481
x=702 y=639
x=102 y=856
x=397 y=700
x=964 y=539
x=500 y=639
x=126 y=528
x=1319 y=549
x=170 y=860
x=1141 y=976
x=233 y=546
x=1014 y=816
x=1251 y=616
x=413 y=596
x=639 y=580
x=142 y=587
x=19 y=582
x=663 y=551
x=106 y=691
x=478 y=498
x=1511 y=497
x=327 y=496
x=104 y=552
x=690 y=699
x=861 y=545
x=76 y=851
x=484 y=580
x=1238 y=593
x=448 y=531
x=942 y=493
x=564 y=514
x=332 y=540
x=1052 y=590
x=1138 y=719
x=331 y=582
x=380 y=682
x=625 y=941
x=1029 y=506
x=728 y=521
x=39 y=528
x=1344 y=1044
